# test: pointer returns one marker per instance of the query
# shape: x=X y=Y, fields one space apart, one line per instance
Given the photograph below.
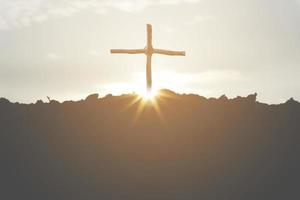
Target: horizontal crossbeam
x=128 y=51
x=169 y=53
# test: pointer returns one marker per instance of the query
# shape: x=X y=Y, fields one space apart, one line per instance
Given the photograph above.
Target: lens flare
x=149 y=95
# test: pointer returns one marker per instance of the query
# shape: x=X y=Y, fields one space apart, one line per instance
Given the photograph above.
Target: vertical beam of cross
x=148 y=51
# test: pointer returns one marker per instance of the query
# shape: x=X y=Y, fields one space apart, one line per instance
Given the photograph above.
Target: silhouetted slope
x=194 y=148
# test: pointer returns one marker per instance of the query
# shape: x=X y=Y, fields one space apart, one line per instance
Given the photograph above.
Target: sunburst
x=149 y=95
x=155 y=101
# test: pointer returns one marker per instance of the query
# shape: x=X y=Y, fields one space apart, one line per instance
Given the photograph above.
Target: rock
x=108 y=96
x=223 y=98
x=39 y=102
x=92 y=97
x=166 y=92
x=252 y=97
x=3 y=100
x=291 y=101
x=54 y=102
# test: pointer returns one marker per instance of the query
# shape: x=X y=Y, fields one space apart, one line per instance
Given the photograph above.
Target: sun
x=148 y=95
x=145 y=101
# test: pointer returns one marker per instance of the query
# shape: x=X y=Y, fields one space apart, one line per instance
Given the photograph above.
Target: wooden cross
x=148 y=51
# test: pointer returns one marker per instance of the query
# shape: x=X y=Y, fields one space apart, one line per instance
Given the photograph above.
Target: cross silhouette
x=149 y=51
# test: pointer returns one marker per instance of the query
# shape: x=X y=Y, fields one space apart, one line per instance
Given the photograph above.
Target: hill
x=176 y=147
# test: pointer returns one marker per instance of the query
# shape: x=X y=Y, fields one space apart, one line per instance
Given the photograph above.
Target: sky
x=61 y=48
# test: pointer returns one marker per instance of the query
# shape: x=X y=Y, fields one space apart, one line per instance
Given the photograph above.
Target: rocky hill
x=174 y=147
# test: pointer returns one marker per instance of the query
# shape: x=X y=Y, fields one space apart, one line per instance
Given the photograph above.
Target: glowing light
x=149 y=95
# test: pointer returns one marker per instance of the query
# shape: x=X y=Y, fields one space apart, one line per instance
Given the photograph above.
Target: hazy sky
x=60 y=48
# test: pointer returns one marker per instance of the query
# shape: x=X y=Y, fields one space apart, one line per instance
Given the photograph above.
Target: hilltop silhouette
x=184 y=146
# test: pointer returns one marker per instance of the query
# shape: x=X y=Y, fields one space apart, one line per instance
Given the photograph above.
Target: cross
x=148 y=51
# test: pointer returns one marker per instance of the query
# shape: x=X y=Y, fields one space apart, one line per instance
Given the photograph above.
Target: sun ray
x=136 y=99
x=139 y=111
x=141 y=100
x=158 y=111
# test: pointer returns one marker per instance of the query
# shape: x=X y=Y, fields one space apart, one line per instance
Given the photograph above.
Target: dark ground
x=196 y=148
